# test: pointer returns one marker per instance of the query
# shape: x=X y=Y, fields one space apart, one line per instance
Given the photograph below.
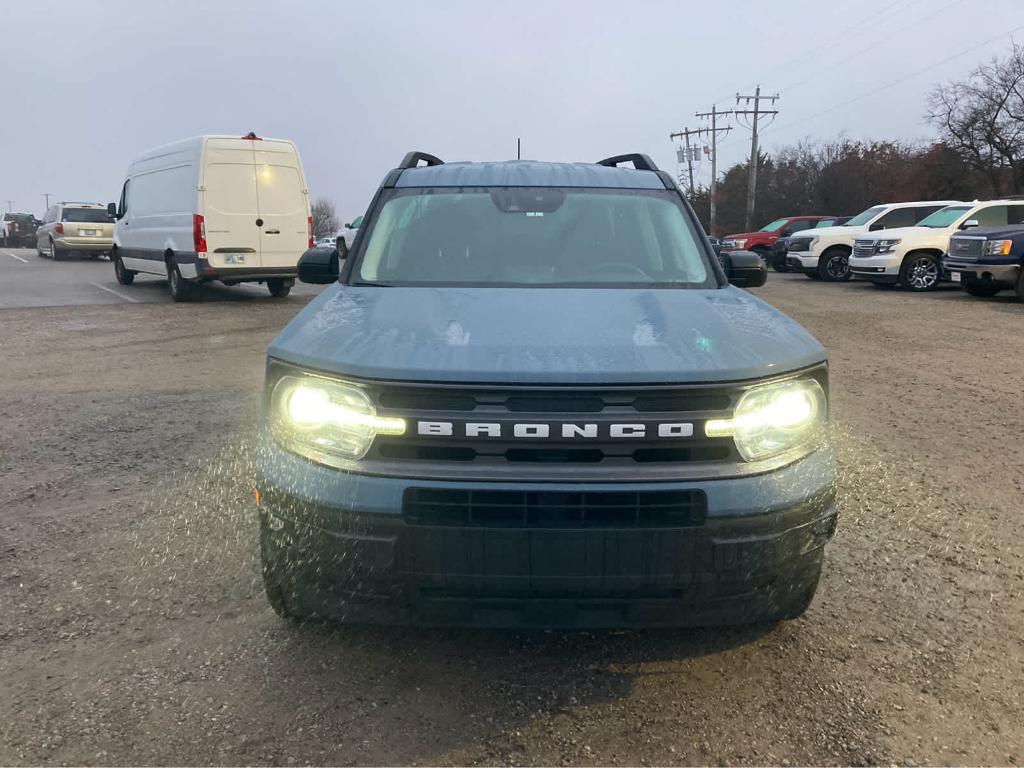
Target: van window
x=86 y=215
x=280 y=190
x=231 y=188
x=513 y=236
x=168 y=190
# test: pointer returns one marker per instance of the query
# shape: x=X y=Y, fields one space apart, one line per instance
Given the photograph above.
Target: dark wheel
x=764 y=253
x=124 y=276
x=813 y=275
x=920 y=272
x=834 y=265
x=54 y=253
x=176 y=283
x=278 y=581
x=779 y=264
x=981 y=288
x=279 y=288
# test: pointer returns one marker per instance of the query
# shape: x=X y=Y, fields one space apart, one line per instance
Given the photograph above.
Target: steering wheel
x=621 y=268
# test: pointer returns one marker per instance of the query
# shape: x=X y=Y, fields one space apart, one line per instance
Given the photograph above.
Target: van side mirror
x=112 y=210
x=319 y=266
x=970 y=224
x=745 y=269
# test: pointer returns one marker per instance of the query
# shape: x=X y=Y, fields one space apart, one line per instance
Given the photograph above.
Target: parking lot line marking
x=116 y=293
x=23 y=261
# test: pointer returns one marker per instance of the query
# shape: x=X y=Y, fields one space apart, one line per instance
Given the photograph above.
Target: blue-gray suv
x=531 y=397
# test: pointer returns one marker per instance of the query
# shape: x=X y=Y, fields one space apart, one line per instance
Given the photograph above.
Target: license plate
x=234 y=258
x=87 y=233
x=954 y=276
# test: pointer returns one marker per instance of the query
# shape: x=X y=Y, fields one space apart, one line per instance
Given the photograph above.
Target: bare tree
x=325 y=219
x=982 y=118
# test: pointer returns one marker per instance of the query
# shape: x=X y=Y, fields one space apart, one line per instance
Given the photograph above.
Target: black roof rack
x=412 y=159
x=640 y=161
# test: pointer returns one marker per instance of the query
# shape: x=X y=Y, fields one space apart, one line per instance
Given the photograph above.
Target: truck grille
x=863 y=248
x=966 y=248
x=554 y=509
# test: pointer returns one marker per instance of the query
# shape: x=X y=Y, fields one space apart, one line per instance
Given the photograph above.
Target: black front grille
x=554 y=509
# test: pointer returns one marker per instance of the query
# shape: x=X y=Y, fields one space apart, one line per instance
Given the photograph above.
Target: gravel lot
x=134 y=629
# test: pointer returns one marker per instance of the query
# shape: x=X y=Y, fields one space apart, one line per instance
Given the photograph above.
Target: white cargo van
x=214 y=208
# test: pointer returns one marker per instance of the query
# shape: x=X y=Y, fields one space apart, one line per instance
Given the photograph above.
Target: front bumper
x=1004 y=273
x=880 y=268
x=352 y=554
x=802 y=261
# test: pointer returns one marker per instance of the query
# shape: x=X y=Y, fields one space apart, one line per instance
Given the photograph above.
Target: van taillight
x=309 y=222
x=198 y=233
x=59 y=229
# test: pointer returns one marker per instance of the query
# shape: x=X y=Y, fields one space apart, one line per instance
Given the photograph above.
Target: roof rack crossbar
x=412 y=159
x=640 y=161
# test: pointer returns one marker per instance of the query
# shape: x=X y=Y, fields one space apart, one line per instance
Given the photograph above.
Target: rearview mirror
x=970 y=224
x=745 y=269
x=112 y=210
x=319 y=266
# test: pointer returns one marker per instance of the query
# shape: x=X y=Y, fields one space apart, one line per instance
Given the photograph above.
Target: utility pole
x=756 y=113
x=9 y=204
x=47 y=196
x=686 y=133
x=714 y=114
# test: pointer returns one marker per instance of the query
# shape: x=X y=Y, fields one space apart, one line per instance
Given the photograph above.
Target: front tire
x=981 y=288
x=834 y=265
x=176 y=284
x=124 y=275
x=920 y=272
x=279 y=287
x=813 y=275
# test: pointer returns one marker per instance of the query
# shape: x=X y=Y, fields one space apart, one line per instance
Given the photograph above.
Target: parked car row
x=915 y=245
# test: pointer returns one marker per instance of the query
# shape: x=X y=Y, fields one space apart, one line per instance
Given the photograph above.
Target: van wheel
x=54 y=254
x=834 y=265
x=176 y=283
x=124 y=276
x=279 y=288
x=981 y=288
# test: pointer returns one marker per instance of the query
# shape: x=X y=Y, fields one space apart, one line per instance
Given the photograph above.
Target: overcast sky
x=88 y=85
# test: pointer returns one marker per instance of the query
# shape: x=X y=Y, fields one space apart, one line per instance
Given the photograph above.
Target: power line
x=861 y=51
x=899 y=80
x=686 y=133
x=714 y=114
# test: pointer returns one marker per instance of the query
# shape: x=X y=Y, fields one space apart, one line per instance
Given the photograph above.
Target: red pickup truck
x=761 y=242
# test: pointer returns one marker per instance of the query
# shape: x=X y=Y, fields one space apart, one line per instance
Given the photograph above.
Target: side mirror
x=347 y=225
x=745 y=269
x=112 y=210
x=970 y=224
x=876 y=226
x=319 y=266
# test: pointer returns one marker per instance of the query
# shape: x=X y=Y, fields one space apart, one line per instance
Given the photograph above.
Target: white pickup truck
x=823 y=253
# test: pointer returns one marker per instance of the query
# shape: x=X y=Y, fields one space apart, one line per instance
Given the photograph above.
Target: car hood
x=829 y=232
x=545 y=335
x=993 y=233
x=907 y=233
x=749 y=235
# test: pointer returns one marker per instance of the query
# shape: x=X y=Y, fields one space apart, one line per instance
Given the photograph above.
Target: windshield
x=865 y=217
x=777 y=224
x=86 y=215
x=944 y=217
x=526 y=236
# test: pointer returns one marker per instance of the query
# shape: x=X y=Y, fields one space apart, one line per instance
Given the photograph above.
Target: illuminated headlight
x=325 y=420
x=773 y=419
x=998 y=247
x=887 y=246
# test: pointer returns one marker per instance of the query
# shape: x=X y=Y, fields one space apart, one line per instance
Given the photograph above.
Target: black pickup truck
x=987 y=261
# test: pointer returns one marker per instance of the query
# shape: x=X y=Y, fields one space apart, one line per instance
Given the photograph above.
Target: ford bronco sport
x=532 y=398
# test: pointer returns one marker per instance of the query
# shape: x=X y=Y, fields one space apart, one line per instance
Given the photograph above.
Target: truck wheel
x=920 y=272
x=981 y=288
x=834 y=265
x=764 y=253
x=176 y=284
x=124 y=276
x=279 y=288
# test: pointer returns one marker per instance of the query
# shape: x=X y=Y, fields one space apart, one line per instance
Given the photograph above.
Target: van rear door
x=283 y=203
x=230 y=205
